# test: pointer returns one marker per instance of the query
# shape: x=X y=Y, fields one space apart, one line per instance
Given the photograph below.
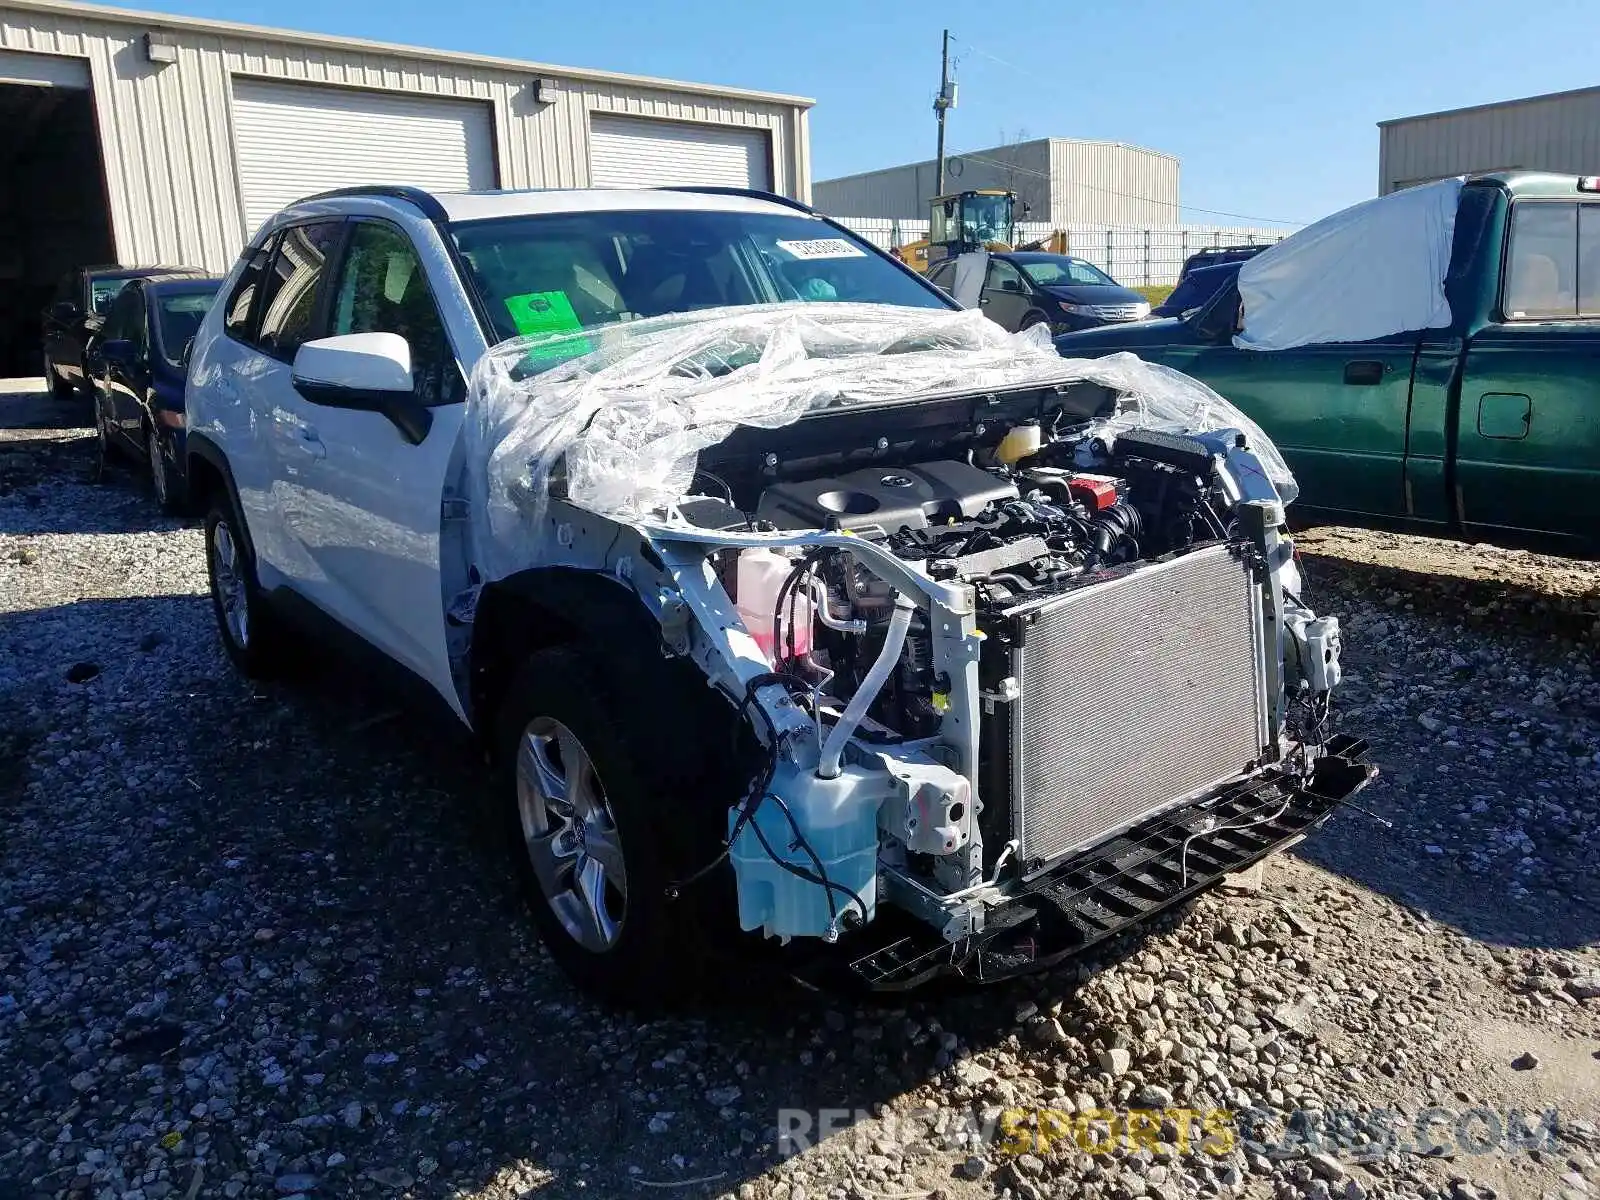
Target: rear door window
x=291 y=287
x=1589 y=260
x=1553 y=264
x=241 y=300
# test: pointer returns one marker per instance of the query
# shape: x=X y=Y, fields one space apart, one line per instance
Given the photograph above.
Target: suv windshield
x=551 y=274
x=1056 y=272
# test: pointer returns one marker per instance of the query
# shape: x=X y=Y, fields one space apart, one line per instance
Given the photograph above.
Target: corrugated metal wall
x=1102 y=184
x=166 y=130
x=1546 y=133
x=1061 y=180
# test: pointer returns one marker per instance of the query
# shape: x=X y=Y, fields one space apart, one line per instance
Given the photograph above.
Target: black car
x=137 y=367
x=1195 y=288
x=82 y=298
x=1216 y=256
x=1027 y=288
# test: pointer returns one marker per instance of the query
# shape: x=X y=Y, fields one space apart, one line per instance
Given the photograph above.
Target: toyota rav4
x=785 y=596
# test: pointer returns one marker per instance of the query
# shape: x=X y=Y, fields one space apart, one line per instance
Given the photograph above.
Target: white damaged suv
x=799 y=610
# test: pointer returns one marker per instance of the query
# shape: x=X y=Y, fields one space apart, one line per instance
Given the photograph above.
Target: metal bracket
x=673 y=613
x=1009 y=692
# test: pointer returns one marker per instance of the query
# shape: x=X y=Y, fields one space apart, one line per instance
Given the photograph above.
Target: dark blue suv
x=137 y=366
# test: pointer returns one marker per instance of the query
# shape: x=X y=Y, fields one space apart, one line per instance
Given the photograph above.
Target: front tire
x=585 y=815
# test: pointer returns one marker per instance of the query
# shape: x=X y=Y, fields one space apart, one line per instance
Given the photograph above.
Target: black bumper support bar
x=1126 y=880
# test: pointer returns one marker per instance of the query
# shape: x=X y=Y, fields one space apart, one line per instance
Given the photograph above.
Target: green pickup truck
x=1486 y=429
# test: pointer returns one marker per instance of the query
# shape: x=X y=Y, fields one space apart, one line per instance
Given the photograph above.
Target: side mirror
x=66 y=312
x=369 y=372
x=120 y=351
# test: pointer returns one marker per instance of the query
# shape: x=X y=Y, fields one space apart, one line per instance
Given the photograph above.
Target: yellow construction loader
x=981 y=219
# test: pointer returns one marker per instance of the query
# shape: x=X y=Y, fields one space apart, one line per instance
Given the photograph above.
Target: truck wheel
x=585 y=830
x=250 y=634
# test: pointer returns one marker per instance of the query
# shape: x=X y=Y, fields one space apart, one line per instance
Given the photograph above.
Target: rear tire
x=597 y=831
x=251 y=635
x=164 y=481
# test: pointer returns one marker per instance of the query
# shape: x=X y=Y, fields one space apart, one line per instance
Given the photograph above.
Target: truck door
x=1336 y=411
x=1528 y=425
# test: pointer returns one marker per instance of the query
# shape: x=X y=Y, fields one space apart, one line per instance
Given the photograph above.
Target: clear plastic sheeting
x=623 y=411
x=1370 y=271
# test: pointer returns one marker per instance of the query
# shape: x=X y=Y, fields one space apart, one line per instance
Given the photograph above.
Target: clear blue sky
x=1272 y=106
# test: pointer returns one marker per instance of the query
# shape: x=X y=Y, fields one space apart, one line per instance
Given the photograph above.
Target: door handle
x=1365 y=373
x=308 y=441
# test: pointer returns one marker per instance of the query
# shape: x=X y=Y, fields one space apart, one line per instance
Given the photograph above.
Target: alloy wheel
x=228 y=578
x=571 y=835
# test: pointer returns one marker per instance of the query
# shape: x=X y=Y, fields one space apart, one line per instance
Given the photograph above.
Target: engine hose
x=871 y=684
x=1118 y=523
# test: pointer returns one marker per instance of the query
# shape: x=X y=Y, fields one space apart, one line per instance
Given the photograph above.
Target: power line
x=1215 y=212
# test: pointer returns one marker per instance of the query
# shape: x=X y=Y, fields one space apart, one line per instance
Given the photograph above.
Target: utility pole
x=943 y=103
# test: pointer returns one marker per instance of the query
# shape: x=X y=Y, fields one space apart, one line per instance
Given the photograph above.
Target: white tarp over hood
x=1370 y=271
x=627 y=408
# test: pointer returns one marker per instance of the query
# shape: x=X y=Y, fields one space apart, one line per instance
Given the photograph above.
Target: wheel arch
x=542 y=607
x=206 y=469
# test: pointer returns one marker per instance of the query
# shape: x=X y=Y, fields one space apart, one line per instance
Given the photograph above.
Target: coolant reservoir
x=1020 y=442
x=760 y=576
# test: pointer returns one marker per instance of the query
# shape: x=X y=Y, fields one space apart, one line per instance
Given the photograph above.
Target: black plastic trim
x=1130 y=878
x=404 y=411
x=748 y=193
x=198 y=445
x=422 y=200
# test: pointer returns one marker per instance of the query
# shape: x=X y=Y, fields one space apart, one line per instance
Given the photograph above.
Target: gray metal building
x=145 y=138
x=1557 y=132
x=1063 y=181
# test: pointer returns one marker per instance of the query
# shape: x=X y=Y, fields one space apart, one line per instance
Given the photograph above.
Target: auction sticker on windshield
x=822 y=248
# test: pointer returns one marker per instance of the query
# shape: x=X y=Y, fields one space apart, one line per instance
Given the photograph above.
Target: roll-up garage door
x=296 y=139
x=635 y=152
x=43 y=70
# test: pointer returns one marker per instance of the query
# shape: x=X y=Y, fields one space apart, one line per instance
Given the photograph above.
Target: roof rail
x=749 y=193
x=431 y=208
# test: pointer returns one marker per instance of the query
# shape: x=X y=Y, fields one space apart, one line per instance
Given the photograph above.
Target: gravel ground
x=251 y=943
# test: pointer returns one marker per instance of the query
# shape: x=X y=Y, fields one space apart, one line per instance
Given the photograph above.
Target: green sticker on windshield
x=542 y=312
x=548 y=314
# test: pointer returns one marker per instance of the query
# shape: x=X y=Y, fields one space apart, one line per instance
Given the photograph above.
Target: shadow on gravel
x=1549 y=918
x=353 y=835
x=1494 y=847
x=48 y=486
x=1489 y=603
x=24 y=404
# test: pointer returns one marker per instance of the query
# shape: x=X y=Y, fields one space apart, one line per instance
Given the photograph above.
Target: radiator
x=1134 y=694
